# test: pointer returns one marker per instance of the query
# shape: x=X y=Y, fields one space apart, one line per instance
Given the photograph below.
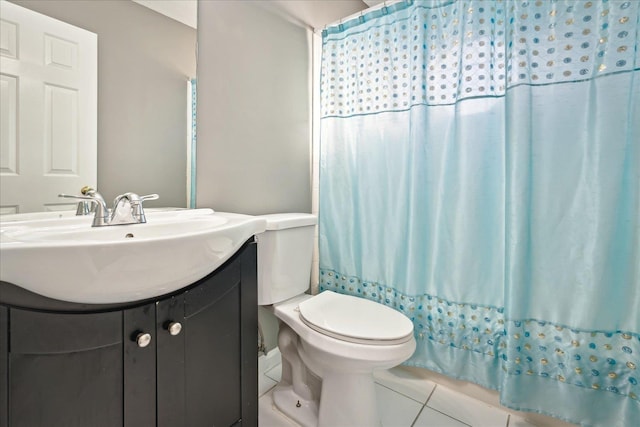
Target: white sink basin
x=64 y=258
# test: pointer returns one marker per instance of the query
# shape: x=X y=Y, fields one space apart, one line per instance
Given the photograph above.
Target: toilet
x=330 y=343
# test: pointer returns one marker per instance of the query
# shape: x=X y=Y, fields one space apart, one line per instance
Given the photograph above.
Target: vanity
x=167 y=353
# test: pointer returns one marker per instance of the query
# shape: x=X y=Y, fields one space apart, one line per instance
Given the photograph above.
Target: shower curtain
x=480 y=172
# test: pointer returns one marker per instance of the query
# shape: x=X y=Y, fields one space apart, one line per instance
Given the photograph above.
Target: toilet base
x=348 y=400
x=304 y=412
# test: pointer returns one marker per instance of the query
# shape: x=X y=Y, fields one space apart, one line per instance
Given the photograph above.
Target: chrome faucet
x=104 y=216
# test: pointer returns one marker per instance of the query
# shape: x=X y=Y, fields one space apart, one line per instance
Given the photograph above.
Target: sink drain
x=128 y=236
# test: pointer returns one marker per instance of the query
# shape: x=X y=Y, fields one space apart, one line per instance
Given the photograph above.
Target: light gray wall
x=254 y=117
x=254 y=107
x=144 y=61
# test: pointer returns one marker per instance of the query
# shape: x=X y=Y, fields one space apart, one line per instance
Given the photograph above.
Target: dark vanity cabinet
x=185 y=359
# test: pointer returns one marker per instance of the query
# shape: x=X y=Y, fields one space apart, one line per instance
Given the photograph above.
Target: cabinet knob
x=174 y=328
x=143 y=339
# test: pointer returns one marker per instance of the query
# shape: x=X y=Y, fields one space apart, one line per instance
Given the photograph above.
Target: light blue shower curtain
x=480 y=172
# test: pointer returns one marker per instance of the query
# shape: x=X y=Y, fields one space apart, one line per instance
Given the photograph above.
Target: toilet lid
x=354 y=319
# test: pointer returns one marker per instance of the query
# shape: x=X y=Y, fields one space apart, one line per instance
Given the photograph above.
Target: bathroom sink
x=63 y=257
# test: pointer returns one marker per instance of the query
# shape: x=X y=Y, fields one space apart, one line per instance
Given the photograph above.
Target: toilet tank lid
x=283 y=221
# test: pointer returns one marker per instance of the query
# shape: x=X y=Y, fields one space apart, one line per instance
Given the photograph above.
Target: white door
x=48 y=110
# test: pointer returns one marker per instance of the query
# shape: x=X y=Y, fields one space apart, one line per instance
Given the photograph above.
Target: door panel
x=67 y=389
x=34 y=332
x=66 y=369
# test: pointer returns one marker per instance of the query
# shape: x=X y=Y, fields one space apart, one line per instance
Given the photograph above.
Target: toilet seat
x=355 y=320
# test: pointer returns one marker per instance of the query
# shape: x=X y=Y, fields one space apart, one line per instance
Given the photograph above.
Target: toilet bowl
x=331 y=339
x=347 y=396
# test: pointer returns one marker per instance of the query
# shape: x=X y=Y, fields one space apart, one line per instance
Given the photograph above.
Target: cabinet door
x=212 y=350
x=4 y=366
x=249 y=334
x=170 y=343
x=140 y=366
x=65 y=369
x=207 y=368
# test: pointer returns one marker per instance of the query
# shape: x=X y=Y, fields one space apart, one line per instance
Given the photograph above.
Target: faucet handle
x=72 y=196
x=137 y=209
x=149 y=197
x=87 y=193
x=133 y=198
x=85 y=204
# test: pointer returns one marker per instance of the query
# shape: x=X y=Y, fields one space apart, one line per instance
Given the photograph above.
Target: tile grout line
x=448 y=416
x=268 y=389
x=266 y=373
x=400 y=393
x=424 y=405
x=445 y=414
x=417 y=416
x=271 y=378
x=431 y=394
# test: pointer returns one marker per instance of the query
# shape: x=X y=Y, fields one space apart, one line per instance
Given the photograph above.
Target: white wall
x=254 y=107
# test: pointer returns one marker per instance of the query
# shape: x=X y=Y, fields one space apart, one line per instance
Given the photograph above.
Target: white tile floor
x=405 y=400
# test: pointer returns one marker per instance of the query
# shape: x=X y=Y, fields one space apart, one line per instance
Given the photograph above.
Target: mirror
x=146 y=61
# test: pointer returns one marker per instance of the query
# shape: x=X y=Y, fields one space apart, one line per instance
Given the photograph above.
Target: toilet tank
x=285 y=252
